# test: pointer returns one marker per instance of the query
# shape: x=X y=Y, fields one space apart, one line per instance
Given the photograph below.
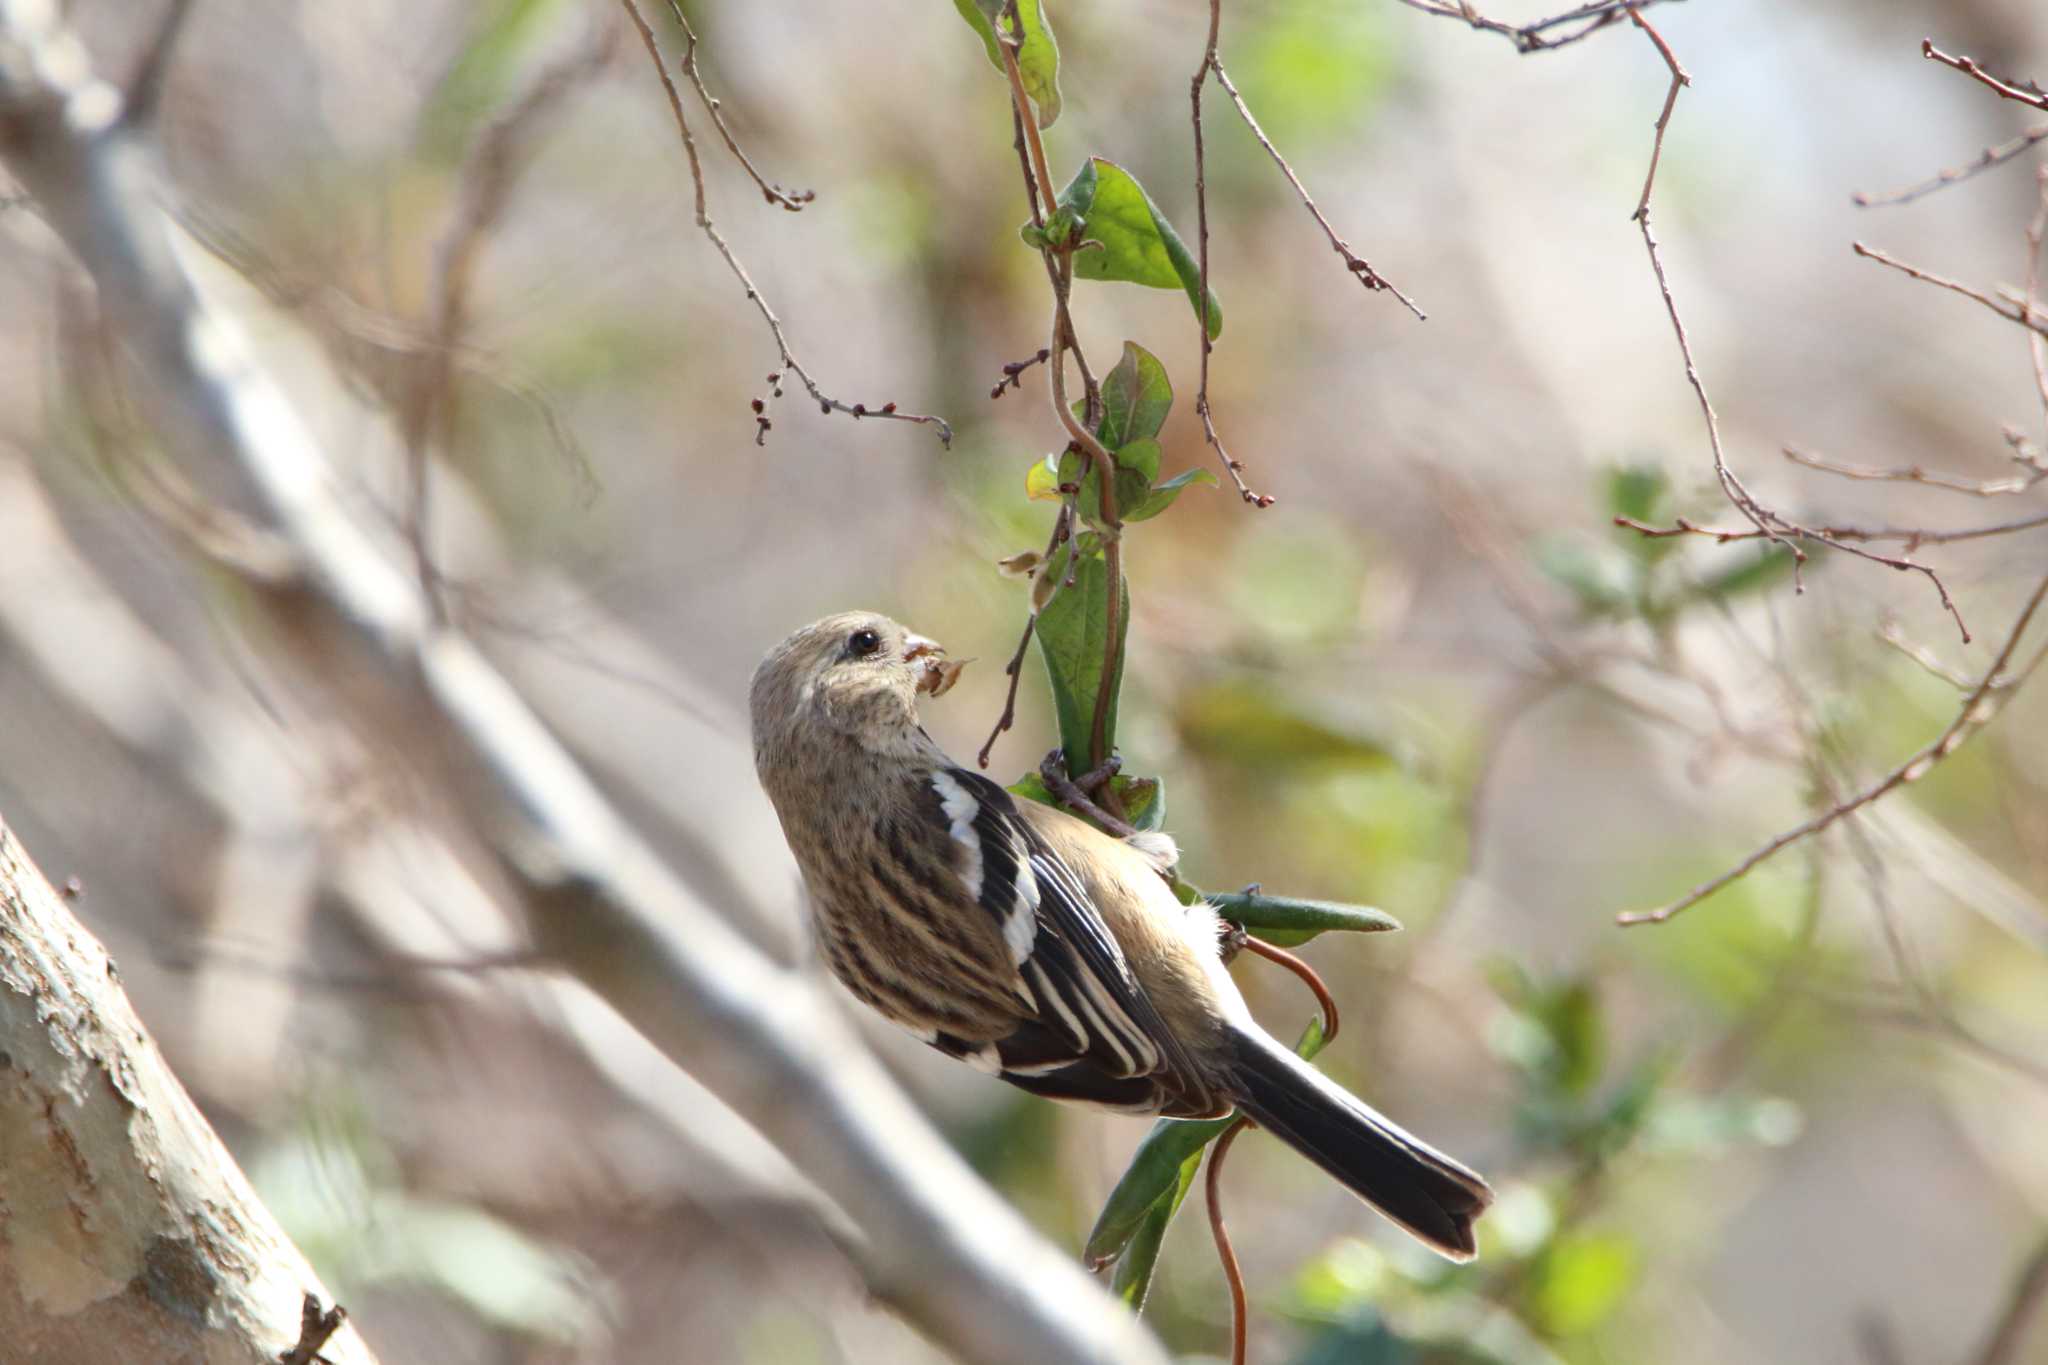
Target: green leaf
x=1578 y=1032
x=1038 y=60
x=1072 y=632
x=1288 y=920
x=1161 y=495
x=1137 y=244
x=1133 y=1278
x=1136 y=396
x=1636 y=491
x=1153 y=1176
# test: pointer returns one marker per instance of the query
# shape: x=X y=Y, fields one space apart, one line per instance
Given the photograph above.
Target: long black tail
x=1403 y=1177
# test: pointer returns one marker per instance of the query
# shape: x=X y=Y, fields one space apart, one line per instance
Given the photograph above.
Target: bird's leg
x=1232 y=940
x=1075 y=794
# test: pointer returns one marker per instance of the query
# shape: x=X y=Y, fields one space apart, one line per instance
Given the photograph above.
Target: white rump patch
x=961 y=808
x=1158 y=848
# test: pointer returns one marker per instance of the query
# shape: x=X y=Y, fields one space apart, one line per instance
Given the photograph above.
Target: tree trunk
x=128 y=1235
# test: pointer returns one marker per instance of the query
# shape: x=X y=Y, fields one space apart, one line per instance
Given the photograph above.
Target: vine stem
x=1233 y=1273
x=1061 y=271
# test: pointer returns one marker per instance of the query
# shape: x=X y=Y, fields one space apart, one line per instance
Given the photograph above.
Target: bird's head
x=857 y=674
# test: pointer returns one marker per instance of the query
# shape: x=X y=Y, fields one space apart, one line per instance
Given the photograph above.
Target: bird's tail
x=1403 y=1177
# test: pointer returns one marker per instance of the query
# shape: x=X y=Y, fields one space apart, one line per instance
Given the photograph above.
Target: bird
x=1028 y=943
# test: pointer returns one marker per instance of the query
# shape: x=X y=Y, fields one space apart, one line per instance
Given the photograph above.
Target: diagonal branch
x=938 y=1244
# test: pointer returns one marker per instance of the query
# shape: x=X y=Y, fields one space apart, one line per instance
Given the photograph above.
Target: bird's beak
x=935 y=673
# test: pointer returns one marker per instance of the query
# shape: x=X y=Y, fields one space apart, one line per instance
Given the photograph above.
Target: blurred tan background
x=1801 y=1123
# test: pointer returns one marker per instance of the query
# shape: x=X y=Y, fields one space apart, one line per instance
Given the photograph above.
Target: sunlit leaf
x=1137 y=243
x=1038 y=60
x=1042 y=480
x=1580 y=1280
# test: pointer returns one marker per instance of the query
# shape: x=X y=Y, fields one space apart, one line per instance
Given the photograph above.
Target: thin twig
x=1839 y=536
x=1233 y=1273
x=2037 y=470
x=1991 y=156
x=1977 y=710
x=1013 y=373
x=1731 y=485
x=2037 y=353
x=1528 y=38
x=1358 y=266
x=1232 y=466
x=1780 y=528
x=793 y=200
x=1968 y=66
x=1890 y=634
x=790 y=363
x=1769 y=524
x=1679 y=78
x=2011 y=312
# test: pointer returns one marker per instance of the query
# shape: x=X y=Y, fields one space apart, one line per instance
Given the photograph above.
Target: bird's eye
x=863 y=642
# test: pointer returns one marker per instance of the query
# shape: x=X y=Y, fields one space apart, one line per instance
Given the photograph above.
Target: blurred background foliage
x=1798 y=1123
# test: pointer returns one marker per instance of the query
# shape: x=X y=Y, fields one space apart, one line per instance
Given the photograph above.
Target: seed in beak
x=935 y=673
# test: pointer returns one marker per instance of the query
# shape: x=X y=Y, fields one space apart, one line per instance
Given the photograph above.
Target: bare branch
x=1581 y=23
x=826 y=403
x=2037 y=470
x=1989 y=157
x=939 y=1245
x=1968 y=66
x=2011 y=312
x=1357 y=265
x=1977 y=711
x=793 y=200
x=1231 y=466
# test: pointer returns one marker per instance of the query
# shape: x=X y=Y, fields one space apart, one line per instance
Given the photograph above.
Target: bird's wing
x=1096 y=1036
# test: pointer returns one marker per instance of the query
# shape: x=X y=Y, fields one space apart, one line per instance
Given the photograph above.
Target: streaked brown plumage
x=1027 y=942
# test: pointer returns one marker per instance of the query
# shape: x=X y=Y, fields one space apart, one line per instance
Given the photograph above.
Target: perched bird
x=1029 y=944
